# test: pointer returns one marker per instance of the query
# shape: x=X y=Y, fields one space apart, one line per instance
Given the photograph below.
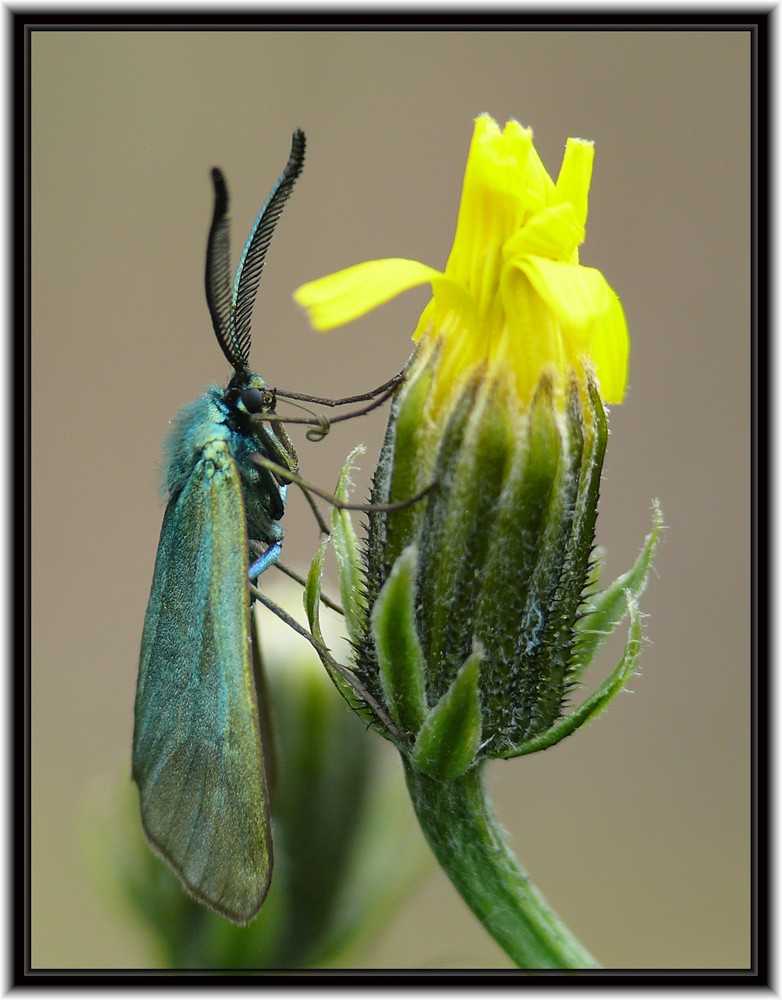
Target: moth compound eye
x=255 y=400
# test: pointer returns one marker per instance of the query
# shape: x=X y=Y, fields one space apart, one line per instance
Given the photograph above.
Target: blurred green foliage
x=346 y=846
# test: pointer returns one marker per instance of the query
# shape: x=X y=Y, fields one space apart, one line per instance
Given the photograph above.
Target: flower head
x=469 y=616
x=513 y=299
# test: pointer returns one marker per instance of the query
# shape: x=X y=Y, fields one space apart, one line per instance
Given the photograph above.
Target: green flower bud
x=473 y=595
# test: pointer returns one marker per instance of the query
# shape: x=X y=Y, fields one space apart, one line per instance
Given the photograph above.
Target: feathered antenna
x=231 y=311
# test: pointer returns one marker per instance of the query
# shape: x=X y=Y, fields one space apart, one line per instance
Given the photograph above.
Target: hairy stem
x=457 y=819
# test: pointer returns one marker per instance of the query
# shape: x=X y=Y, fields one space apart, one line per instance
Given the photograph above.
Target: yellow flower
x=474 y=612
x=513 y=298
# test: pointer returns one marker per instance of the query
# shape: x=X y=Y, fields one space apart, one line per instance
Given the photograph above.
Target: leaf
x=347 y=552
x=604 y=611
x=312 y=589
x=599 y=699
x=312 y=609
x=398 y=648
x=450 y=737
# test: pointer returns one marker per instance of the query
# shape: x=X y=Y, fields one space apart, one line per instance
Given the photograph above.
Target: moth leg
x=263 y=562
x=300 y=579
x=288 y=476
x=324 y=654
x=323 y=527
x=385 y=390
x=275 y=492
x=258 y=547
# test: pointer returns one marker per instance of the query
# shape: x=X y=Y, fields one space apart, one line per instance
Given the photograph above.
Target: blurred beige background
x=636 y=829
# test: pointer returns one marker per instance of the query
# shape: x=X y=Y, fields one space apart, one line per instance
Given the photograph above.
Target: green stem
x=457 y=819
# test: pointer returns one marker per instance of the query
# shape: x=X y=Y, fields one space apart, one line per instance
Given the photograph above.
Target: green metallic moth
x=198 y=756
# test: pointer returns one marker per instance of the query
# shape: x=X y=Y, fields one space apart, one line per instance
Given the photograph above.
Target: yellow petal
x=491 y=207
x=575 y=176
x=553 y=232
x=610 y=349
x=576 y=294
x=538 y=188
x=591 y=317
x=344 y=296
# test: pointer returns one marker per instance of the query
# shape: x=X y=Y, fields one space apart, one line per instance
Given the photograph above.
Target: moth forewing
x=198 y=759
